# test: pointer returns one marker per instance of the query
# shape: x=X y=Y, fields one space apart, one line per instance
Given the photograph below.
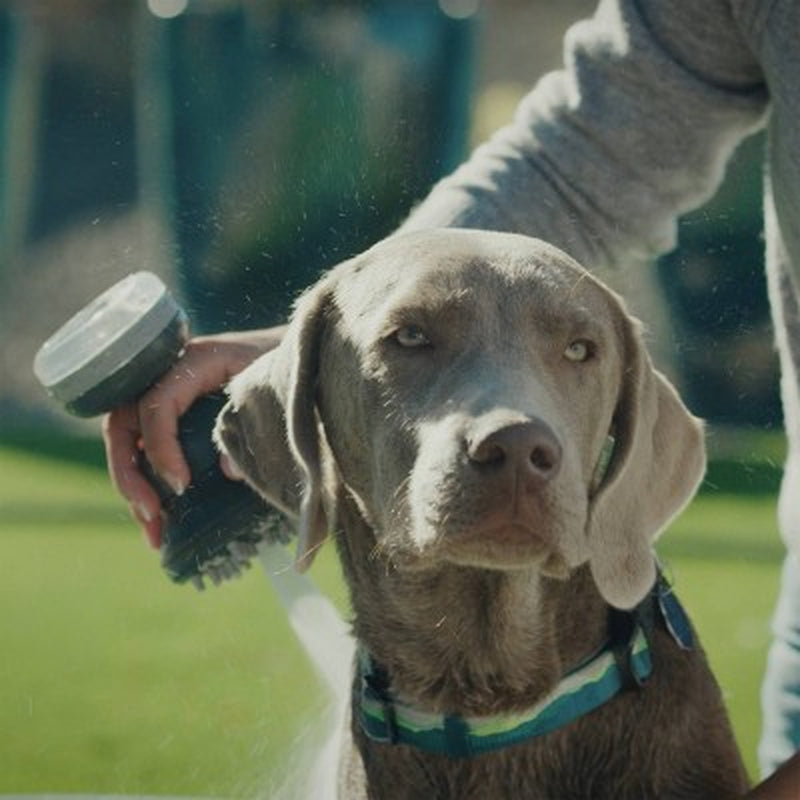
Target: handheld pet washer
x=108 y=354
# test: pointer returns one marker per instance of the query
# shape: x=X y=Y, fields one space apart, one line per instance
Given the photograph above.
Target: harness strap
x=624 y=663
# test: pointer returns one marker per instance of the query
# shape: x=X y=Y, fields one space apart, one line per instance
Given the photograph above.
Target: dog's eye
x=579 y=351
x=411 y=336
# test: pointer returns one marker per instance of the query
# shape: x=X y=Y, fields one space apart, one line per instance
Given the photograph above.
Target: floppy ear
x=269 y=427
x=657 y=465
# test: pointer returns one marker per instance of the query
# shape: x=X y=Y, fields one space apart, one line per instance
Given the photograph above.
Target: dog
x=475 y=420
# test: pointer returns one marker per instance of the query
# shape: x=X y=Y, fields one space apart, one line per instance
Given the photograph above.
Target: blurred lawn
x=112 y=680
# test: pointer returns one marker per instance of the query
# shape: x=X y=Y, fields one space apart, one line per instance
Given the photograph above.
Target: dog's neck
x=465 y=640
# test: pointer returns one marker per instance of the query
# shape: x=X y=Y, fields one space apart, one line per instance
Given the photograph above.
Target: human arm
x=783 y=784
x=604 y=155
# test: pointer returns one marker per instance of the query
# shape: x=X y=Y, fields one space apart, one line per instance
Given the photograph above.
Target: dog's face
x=468 y=404
x=463 y=386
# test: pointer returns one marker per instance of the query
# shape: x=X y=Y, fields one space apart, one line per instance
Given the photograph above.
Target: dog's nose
x=531 y=449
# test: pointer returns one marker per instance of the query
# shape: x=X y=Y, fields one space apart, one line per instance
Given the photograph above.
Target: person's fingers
x=159 y=411
x=150 y=525
x=121 y=438
x=203 y=368
x=151 y=424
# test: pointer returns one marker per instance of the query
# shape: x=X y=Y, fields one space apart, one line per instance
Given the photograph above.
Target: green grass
x=112 y=680
x=724 y=556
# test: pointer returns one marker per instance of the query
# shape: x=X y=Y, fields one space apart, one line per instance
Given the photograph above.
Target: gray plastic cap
x=104 y=335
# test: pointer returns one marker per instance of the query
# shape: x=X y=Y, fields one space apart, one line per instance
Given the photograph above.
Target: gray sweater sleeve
x=602 y=156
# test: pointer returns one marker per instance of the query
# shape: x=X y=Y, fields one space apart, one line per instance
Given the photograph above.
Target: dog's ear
x=657 y=464
x=269 y=427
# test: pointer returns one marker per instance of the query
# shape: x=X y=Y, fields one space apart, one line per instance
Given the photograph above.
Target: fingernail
x=153 y=539
x=175 y=483
x=142 y=512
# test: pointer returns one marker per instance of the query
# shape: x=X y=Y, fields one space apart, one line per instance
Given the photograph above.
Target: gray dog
x=475 y=419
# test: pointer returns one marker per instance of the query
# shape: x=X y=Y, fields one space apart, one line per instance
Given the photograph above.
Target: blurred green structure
x=236 y=147
x=716 y=289
x=292 y=135
x=262 y=141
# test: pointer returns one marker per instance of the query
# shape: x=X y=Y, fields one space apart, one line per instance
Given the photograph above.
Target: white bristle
x=229 y=564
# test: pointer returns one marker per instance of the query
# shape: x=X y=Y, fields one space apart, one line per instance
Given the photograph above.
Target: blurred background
x=238 y=149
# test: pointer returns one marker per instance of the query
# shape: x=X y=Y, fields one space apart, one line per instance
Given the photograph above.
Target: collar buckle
x=375 y=687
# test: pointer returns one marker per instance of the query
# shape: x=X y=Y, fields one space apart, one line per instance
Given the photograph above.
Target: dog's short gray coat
x=440 y=405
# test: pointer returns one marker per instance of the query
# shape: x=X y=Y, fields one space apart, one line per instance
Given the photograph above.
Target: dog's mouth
x=507 y=544
x=510 y=534
x=450 y=512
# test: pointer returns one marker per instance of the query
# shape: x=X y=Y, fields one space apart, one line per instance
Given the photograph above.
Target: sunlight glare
x=459 y=9
x=167 y=9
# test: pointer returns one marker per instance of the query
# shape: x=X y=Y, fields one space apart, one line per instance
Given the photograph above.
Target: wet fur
x=477 y=591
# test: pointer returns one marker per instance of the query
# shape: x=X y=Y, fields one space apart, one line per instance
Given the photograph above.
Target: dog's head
x=462 y=387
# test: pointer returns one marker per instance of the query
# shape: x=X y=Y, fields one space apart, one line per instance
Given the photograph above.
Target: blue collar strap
x=625 y=661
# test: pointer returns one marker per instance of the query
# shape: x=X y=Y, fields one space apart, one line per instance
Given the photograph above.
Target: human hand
x=783 y=784
x=151 y=423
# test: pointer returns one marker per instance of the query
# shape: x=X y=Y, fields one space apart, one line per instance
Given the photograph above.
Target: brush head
x=212 y=529
x=114 y=348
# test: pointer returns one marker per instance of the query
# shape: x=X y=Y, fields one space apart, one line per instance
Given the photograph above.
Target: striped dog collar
x=625 y=661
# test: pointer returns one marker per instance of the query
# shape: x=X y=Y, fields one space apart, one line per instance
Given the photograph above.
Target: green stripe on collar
x=384 y=718
x=577 y=694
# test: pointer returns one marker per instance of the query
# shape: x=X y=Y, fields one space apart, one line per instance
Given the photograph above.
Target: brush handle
x=213 y=511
